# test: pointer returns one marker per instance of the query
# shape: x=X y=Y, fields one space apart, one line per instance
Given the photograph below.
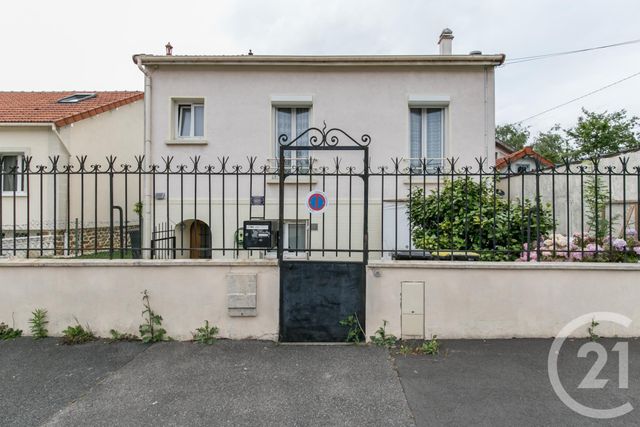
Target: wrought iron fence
x=417 y=209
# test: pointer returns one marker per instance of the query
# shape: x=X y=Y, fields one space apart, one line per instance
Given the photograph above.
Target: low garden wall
x=241 y=297
x=500 y=300
x=108 y=295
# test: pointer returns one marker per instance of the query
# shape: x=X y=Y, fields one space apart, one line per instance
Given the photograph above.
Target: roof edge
x=329 y=60
x=97 y=110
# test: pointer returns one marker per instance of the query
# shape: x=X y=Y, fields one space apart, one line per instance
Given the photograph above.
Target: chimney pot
x=169 y=49
x=445 y=41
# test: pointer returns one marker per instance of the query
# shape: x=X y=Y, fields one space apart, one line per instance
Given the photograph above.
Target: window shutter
x=434 y=136
x=415 y=136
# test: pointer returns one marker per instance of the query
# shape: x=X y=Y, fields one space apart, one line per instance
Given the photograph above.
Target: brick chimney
x=445 y=41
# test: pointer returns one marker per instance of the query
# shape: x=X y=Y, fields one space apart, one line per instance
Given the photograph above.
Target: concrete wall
x=107 y=295
x=461 y=300
x=504 y=300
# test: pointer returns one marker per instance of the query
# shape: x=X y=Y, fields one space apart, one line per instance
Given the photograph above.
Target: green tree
x=598 y=134
x=468 y=215
x=552 y=144
x=513 y=135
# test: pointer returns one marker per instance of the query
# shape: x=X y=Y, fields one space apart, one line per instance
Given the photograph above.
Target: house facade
x=40 y=134
x=415 y=108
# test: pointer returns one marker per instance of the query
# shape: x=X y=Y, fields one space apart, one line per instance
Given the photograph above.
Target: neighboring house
x=566 y=190
x=414 y=107
x=523 y=160
x=44 y=126
x=502 y=149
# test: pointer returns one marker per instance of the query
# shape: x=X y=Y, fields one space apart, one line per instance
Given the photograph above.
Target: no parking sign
x=317 y=202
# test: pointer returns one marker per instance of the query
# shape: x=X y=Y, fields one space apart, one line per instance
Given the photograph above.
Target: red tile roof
x=524 y=152
x=42 y=107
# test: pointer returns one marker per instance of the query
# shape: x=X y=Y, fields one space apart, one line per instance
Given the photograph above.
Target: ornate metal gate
x=322 y=255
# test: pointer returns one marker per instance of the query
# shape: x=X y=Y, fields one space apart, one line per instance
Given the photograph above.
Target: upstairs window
x=11 y=178
x=426 y=138
x=292 y=122
x=190 y=121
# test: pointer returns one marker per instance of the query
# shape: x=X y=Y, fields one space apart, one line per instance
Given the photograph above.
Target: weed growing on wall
x=77 y=334
x=122 y=336
x=206 y=334
x=7 y=333
x=151 y=330
x=355 y=333
x=404 y=350
x=381 y=338
x=38 y=324
x=431 y=347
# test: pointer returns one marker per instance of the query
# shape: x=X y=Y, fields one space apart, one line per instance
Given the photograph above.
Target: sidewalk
x=496 y=382
x=228 y=383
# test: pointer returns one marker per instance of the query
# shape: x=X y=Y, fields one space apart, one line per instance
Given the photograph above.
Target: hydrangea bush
x=584 y=247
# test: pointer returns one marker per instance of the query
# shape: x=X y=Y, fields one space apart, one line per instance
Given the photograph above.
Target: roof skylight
x=76 y=97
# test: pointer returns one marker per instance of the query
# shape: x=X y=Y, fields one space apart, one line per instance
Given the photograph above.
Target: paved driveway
x=500 y=382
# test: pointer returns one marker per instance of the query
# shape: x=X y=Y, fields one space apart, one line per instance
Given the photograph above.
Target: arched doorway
x=199 y=240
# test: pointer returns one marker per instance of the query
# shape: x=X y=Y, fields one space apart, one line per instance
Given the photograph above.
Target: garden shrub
x=469 y=215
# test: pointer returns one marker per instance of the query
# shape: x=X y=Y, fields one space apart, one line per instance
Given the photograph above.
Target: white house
x=48 y=127
x=414 y=107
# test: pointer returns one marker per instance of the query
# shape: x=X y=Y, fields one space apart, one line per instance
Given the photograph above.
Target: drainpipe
x=146 y=210
x=62 y=207
x=490 y=162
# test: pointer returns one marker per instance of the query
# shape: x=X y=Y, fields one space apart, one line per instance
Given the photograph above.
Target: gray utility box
x=260 y=234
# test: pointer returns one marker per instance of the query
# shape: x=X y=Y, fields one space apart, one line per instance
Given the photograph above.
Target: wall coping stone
x=22 y=262
x=484 y=265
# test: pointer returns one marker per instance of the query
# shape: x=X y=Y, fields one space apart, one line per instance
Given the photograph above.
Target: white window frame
x=294 y=130
x=19 y=182
x=424 y=128
x=178 y=120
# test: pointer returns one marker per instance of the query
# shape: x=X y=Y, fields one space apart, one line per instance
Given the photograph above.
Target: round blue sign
x=317 y=202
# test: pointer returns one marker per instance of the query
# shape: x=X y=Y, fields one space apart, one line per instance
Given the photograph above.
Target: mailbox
x=260 y=234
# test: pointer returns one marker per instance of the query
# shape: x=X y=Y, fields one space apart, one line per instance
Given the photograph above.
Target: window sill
x=11 y=193
x=291 y=180
x=420 y=179
x=187 y=142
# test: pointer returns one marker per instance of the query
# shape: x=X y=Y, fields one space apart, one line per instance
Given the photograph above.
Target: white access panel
x=412 y=308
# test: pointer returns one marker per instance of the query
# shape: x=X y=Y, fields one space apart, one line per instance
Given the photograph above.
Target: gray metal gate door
x=322 y=281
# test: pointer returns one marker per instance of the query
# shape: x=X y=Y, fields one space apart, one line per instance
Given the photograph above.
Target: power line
x=568 y=52
x=581 y=97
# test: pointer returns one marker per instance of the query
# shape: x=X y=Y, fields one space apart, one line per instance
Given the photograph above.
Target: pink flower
x=619 y=244
x=591 y=248
x=637 y=250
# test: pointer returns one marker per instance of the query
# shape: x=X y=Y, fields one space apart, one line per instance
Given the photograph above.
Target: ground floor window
x=12 y=168
x=295 y=236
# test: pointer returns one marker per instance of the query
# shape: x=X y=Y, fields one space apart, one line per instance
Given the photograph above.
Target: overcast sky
x=85 y=45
